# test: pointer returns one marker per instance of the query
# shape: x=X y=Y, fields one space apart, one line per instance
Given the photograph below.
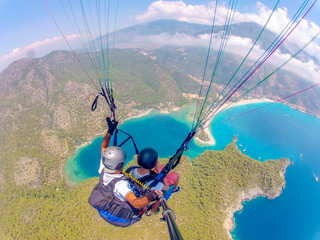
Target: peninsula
x=218 y=183
x=213 y=187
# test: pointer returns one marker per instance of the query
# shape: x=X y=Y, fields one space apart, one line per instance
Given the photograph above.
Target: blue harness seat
x=112 y=209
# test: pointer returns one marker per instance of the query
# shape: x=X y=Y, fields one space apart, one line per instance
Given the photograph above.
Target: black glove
x=112 y=125
x=152 y=196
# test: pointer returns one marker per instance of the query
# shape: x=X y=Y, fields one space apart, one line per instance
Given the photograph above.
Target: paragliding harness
x=107 y=93
x=139 y=184
x=115 y=211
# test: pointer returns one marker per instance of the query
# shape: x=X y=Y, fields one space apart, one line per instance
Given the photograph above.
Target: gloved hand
x=112 y=125
x=152 y=196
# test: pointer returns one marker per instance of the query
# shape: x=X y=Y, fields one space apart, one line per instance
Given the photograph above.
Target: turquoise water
x=276 y=132
x=270 y=133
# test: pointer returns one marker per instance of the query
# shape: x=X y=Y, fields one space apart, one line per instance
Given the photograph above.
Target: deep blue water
x=270 y=133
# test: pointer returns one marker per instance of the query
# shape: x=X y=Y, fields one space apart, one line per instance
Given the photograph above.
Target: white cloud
x=308 y=70
x=236 y=45
x=202 y=14
x=176 y=40
x=178 y=10
x=37 y=49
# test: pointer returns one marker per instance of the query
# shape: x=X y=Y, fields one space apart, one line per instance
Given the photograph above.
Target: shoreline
x=210 y=142
x=139 y=115
x=229 y=222
x=207 y=129
x=143 y=113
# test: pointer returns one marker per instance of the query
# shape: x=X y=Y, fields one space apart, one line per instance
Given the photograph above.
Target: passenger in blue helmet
x=147 y=171
x=113 y=196
x=147 y=158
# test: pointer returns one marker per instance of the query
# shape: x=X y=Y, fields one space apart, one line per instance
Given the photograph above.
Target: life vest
x=138 y=188
x=111 y=208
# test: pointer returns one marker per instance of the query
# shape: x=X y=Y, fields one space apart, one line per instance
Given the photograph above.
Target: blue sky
x=27 y=25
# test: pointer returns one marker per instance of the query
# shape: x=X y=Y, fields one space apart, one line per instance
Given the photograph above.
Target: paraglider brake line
x=115 y=140
x=109 y=101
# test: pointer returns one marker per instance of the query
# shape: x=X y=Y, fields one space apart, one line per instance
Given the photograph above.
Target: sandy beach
x=165 y=111
x=210 y=142
x=207 y=128
x=144 y=113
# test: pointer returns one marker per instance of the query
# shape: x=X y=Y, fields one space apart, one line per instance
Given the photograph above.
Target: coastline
x=146 y=112
x=207 y=129
x=70 y=176
x=210 y=142
x=139 y=115
x=229 y=222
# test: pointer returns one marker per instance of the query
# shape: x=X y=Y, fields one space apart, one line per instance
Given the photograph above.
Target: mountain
x=45 y=115
x=158 y=39
x=137 y=34
x=45 y=106
x=176 y=33
x=145 y=35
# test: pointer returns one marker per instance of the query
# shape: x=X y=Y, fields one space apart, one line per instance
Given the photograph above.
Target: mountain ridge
x=126 y=37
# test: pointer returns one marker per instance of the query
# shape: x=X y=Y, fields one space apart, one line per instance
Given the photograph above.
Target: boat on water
x=316 y=177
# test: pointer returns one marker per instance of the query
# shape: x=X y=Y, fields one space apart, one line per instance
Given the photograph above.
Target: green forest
x=210 y=185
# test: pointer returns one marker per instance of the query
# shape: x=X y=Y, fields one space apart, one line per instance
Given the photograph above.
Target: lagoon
x=270 y=133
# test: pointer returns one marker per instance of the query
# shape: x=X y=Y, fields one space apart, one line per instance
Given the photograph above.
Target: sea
x=270 y=133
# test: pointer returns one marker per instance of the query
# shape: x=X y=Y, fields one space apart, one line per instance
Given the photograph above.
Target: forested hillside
x=212 y=187
x=45 y=107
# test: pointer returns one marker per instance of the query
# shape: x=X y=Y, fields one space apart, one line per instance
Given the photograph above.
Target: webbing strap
x=173 y=161
x=115 y=140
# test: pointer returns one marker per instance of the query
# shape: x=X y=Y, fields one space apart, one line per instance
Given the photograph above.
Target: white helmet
x=113 y=158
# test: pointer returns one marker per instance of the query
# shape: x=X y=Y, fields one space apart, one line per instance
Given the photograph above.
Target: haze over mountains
x=162 y=53
x=184 y=46
x=173 y=32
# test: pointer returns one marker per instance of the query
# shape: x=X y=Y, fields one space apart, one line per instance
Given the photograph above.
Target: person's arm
x=143 y=201
x=158 y=169
x=112 y=125
x=137 y=202
x=105 y=142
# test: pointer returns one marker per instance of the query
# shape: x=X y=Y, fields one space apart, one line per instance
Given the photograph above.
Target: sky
x=27 y=29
